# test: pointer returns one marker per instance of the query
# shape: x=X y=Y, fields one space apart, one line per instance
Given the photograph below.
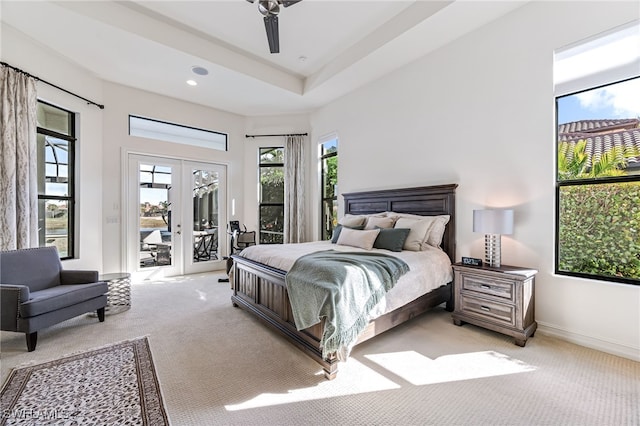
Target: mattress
x=429 y=269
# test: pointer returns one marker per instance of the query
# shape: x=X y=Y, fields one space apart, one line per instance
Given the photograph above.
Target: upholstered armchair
x=35 y=292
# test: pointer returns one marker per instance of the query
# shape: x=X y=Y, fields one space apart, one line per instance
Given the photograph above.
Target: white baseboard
x=590 y=342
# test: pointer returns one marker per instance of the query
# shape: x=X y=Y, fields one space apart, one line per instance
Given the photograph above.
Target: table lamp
x=493 y=223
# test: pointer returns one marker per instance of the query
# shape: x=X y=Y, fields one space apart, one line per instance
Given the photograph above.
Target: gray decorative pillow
x=391 y=238
x=337 y=229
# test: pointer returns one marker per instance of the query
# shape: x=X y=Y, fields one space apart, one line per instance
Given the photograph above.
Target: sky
x=618 y=100
x=598 y=56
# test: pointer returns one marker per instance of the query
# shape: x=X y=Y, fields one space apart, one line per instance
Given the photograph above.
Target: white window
x=597 y=87
x=178 y=133
x=329 y=185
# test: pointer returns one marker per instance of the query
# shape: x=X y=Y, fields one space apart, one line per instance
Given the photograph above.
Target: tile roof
x=601 y=136
x=598 y=126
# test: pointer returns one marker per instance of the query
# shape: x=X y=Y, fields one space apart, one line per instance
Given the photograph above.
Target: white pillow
x=407 y=215
x=419 y=231
x=437 y=230
x=356 y=238
x=436 y=233
x=380 y=222
x=351 y=220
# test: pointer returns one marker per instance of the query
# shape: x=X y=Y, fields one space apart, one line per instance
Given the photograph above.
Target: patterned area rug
x=113 y=385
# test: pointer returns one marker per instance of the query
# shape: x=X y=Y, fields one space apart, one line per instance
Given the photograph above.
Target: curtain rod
x=286 y=134
x=90 y=102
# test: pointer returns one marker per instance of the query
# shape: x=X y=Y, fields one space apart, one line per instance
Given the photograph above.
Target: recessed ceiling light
x=199 y=70
x=192 y=83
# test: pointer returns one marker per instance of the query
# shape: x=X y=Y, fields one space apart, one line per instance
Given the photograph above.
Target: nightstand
x=499 y=299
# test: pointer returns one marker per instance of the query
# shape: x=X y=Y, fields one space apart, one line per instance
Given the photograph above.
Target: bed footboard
x=261 y=290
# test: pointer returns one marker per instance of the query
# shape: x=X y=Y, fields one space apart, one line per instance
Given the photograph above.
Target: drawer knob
x=485 y=286
x=485 y=308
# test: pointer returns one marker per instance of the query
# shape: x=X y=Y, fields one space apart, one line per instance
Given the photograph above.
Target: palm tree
x=573 y=162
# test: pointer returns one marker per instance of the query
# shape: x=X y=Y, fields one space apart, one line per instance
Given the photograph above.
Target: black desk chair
x=240 y=239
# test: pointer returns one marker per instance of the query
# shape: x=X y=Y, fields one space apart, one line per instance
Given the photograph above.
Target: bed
x=260 y=288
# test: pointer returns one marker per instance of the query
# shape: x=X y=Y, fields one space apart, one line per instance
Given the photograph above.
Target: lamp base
x=492 y=250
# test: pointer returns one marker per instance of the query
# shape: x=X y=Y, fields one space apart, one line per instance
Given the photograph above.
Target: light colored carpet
x=218 y=365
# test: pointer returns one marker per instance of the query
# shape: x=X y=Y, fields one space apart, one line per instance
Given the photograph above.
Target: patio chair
x=205 y=246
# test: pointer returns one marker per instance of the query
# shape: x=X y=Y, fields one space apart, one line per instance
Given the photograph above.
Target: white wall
x=23 y=53
x=121 y=101
x=480 y=112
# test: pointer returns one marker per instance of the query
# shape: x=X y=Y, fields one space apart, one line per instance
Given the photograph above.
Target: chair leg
x=101 y=314
x=229 y=266
x=32 y=340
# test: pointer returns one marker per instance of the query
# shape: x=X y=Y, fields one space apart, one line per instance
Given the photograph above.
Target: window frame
x=262 y=204
x=167 y=131
x=323 y=198
x=559 y=184
x=71 y=181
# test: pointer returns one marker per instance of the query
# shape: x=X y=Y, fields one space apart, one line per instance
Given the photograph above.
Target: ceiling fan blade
x=271 y=25
x=290 y=3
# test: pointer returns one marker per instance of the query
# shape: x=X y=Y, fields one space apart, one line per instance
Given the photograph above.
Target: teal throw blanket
x=342 y=287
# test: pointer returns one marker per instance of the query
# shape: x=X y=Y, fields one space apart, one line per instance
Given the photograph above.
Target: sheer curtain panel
x=293 y=189
x=18 y=160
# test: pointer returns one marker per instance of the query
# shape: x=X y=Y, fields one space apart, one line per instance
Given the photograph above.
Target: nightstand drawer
x=486 y=309
x=489 y=286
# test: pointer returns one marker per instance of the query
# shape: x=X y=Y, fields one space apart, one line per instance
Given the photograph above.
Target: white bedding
x=429 y=269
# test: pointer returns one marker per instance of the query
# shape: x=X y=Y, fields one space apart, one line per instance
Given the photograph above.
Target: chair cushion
x=37 y=268
x=59 y=297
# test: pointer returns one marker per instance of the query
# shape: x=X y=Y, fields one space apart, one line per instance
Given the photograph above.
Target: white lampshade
x=493 y=221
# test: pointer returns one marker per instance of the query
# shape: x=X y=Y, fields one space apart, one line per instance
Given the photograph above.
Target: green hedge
x=600 y=229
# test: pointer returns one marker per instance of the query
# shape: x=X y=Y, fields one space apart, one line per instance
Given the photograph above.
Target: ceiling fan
x=270 y=10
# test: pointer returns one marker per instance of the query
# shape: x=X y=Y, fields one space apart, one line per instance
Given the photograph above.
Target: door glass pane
x=155 y=215
x=205 y=184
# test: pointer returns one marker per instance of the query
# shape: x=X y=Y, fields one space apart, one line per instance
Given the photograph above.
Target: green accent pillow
x=391 y=238
x=337 y=229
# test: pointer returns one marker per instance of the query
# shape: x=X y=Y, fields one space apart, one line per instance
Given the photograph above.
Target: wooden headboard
x=423 y=201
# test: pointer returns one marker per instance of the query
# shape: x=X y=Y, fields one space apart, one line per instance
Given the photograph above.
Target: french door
x=176 y=216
